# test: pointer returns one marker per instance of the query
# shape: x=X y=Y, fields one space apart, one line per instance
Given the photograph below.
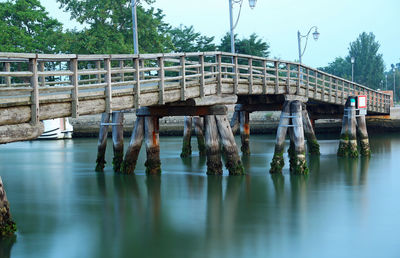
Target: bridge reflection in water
x=64 y=209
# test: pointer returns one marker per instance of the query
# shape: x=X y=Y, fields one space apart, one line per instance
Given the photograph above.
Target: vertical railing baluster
x=330 y=89
x=276 y=65
x=343 y=100
x=288 y=79
x=122 y=74
x=183 y=77
x=298 y=79
x=316 y=84
x=219 y=77
x=250 y=71
x=98 y=67
x=74 y=92
x=108 y=90
x=202 y=81
x=308 y=83
x=236 y=78
x=8 y=78
x=161 y=75
x=33 y=67
x=42 y=77
x=264 y=81
x=137 y=79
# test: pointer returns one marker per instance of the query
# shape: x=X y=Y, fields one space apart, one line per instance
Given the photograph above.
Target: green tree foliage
x=186 y=39
x=26 y=27
x=109 y=27
x=390 y=78
x=368 y=66
x=250 y=46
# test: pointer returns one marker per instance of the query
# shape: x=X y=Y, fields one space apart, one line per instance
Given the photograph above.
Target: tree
x=109 y=27
x=185 y=39
x=26 y=27
x=368 y=66
x=250 y=46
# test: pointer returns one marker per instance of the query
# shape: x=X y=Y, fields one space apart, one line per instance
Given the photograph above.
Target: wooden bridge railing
x=156 y=79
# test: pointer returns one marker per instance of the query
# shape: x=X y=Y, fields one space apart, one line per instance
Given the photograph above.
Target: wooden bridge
x=36 y=87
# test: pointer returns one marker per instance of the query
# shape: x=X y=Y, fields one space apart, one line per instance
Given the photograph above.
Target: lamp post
x=386 y=81
x=134 y=23
x=252 y=4
x=299 y=37
x=394 y=83
x=352 y=68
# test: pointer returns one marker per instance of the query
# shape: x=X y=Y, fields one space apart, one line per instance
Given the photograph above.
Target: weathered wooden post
x=348 y=139
x=187 y=135
x=277 y=161
x=131 y=156
x=7 y=225
x=363 y=136
x=102 y=142
x=297 y=153
x=233 y=162
x=152 y=141
x=235 y=122
x=312 y=143
x=118 y=139
x=245 y=132
x=214 y=164
x=198 y=128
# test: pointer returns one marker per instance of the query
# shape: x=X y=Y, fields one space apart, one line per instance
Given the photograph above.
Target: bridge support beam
x=348 y=139
x=118 y=139
x=131 y=156
x=297 y=151
x=102 y=142
x=152 y=141
x=312 y=143
x=229 y=148
x=7 y=225
x=198 y=128
x=277 y=161
x=214 y=164
x=245 y=132
x=187 y=133
x=363 y=136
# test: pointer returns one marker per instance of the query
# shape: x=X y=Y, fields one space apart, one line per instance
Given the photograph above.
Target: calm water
x=343 y=208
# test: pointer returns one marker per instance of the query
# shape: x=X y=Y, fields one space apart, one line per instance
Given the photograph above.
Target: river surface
x=343 y=208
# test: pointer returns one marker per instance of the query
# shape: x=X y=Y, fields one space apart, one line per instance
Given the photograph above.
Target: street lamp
x=252 y=4
x=134 y=23
x=299 y=37
x=352 y=68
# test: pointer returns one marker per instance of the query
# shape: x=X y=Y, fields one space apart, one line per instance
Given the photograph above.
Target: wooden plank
x=122 y=73
x=98 y=67
x=108 y=90
x=181 y=111
x=183 y=79
x=161 y=75
x=250 y=78
x=42 y=77
x=35 y=91
x=137 y=86
x=74 y=92
x=202 y=84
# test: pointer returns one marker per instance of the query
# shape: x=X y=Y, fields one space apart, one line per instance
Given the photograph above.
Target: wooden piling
x=348 y=140
x=187 y=135
x=214 y=164
x=363 y=136
x=131 y=156
x=245 y=132
x=235 y=122
x=102 y=142
x=198 y=128
x=7 y=225
x=152 y=140
x=312 y=143
x=297 y=154
x=231 y=153
x=277 y=161
x=118 y=139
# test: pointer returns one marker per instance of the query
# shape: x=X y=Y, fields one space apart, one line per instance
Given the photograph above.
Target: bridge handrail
x=52 y=73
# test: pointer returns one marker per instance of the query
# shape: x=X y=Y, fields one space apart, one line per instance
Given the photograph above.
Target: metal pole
x=386 y=81
x=299 y=43
x=352 y=72
x=134 y=21
x=231 y=23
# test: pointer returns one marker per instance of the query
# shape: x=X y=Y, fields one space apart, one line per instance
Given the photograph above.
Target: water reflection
x=6 y=245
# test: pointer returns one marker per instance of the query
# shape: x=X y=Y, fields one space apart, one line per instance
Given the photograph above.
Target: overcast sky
x=277 y=22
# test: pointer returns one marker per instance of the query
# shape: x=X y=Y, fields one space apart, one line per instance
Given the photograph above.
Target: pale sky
x=277 y=22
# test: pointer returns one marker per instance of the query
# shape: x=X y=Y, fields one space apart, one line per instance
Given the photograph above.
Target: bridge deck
x=35 y=87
